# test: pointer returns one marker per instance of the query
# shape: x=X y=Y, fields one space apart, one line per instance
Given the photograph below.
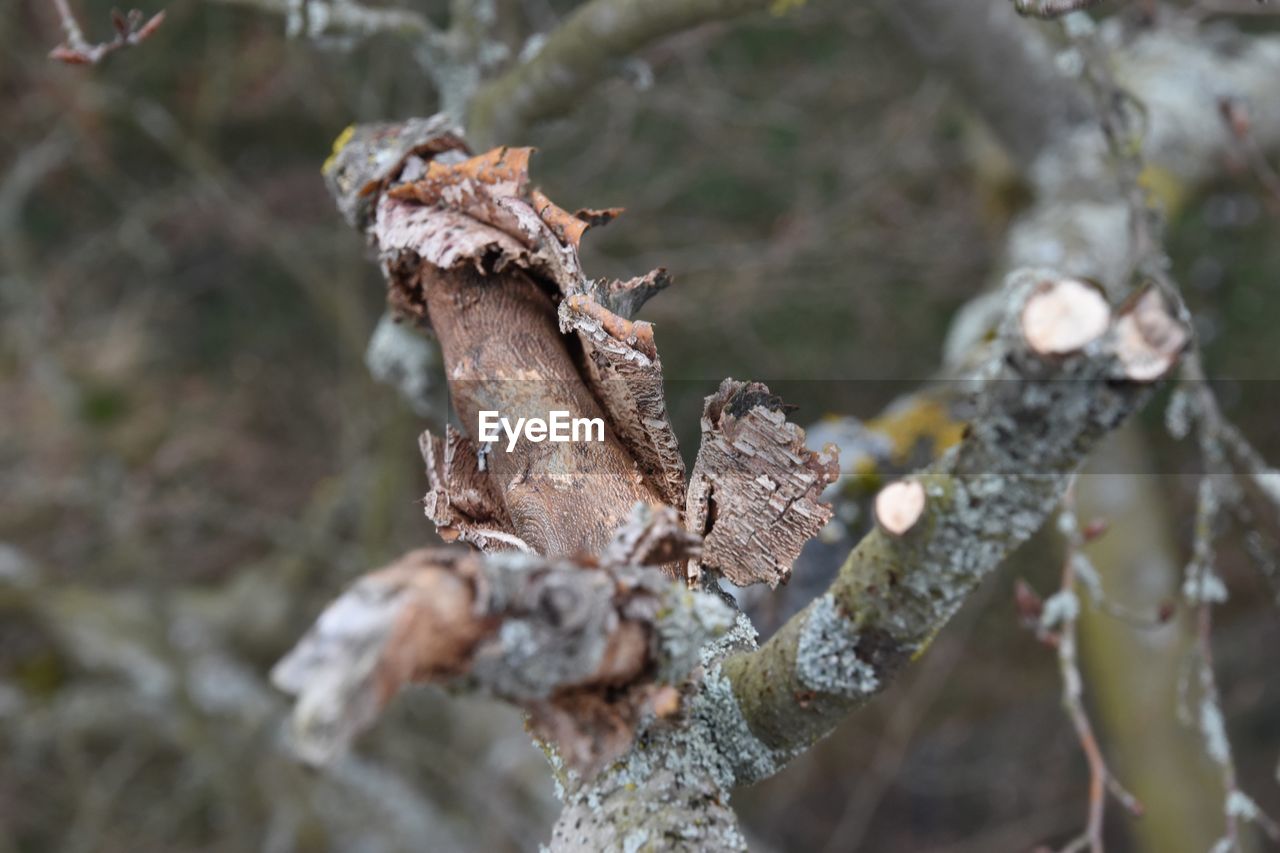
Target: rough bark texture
x=583 y=650
x=505 y=354
x=622 y=367
x=1040 y=408
x=755 y=495
x=1037 y=421
x=462 y=501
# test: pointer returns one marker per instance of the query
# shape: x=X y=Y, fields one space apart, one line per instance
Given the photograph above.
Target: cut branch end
x=1063 y=317
x=899 y=507
x=1149 y=338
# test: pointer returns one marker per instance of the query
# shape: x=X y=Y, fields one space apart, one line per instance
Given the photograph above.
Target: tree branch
x=581 y=50
x=131 y=30
x=1040 y=415
x=352 y=21
x=585 y=652
x=1004 y=68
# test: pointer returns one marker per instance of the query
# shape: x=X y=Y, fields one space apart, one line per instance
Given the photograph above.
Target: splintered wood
x=755 y=493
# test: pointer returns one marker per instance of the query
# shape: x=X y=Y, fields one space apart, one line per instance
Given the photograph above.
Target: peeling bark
x=755 y=493
x=461 y=500
x=622 y=368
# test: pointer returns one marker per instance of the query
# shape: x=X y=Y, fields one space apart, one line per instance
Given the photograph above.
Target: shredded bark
x=755 y=493
x=461 y=499
x=625 y=298
x=367 y=157
x=622 y=368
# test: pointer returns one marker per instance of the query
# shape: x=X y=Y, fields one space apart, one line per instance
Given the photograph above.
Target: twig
x=131 y=30
x=1235 y=115
x=1202 y=589
x=1058 y=626
x=320 y=18
x=1218 y=439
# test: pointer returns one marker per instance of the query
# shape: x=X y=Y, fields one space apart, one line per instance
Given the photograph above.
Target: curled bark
x=755 y=494
x=472 y=251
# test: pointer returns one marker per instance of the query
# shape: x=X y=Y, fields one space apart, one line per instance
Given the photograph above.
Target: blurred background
x=194 y=458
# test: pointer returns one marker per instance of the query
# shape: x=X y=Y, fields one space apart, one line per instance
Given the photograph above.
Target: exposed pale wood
x=899 y=506
x=1064 y=316
x=1149 y=339
x=504 y=353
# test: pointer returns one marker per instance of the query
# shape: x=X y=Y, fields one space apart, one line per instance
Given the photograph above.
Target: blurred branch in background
x=197 y=417
x=131 y=29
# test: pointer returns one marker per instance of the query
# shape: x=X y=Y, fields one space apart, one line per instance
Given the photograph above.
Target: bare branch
x=131 y=30
x=578 y=53
x=583 y=651
x=1058 y=626
x=1003 y=67
x=348 y=21
x=985 y=498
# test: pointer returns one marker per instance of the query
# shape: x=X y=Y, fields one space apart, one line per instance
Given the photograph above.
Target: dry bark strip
x=622 y=367
x=461 y=499
x=755 y=494
x=468 y=251
x=504 y=353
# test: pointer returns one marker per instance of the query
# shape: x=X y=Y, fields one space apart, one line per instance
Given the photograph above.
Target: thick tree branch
x=1040 y=414
x=584 y=651
x=1003 y=67
x=505 y=354
x=581 y=50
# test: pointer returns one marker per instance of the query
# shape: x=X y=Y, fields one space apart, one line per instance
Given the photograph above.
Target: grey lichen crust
x=828 y=655
x=671 y=790
x=1036 y=417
